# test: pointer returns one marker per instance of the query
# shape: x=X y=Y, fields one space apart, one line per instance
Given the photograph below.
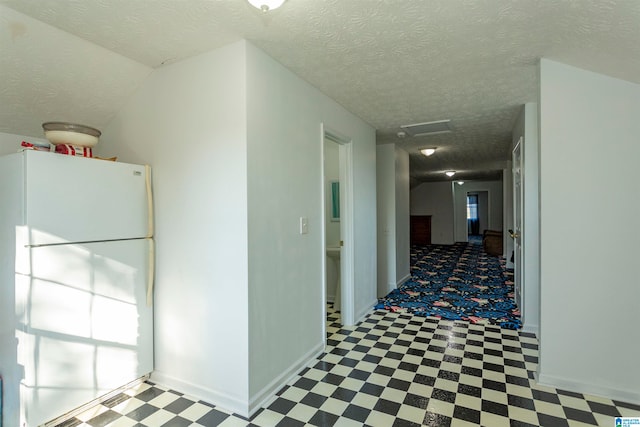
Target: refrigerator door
x=74 y=199
x=87 y=328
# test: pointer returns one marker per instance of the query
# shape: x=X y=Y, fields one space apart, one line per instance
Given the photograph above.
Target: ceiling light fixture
x=266 y=5
x=460 y=182
x=428 y=151
x=450 y=173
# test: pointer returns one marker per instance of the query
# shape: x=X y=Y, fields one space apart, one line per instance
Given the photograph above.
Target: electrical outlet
x=304 y=225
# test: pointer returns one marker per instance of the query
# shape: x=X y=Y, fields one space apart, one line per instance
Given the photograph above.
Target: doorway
x=477 y=214
x=337 y=216
x=517 y=222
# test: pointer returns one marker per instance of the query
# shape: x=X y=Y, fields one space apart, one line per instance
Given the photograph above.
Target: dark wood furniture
x=492 y=242
x=420 y=229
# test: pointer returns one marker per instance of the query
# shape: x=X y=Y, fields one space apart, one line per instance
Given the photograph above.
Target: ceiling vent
x=428 y=128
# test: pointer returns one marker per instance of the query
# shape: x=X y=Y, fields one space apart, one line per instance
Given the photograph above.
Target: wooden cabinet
x=420 y=229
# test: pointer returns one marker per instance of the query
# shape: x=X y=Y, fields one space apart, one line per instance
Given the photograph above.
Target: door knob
x=513 y=234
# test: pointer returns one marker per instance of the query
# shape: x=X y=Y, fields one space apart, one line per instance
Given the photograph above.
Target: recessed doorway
x=477 y=214
x=338 y=223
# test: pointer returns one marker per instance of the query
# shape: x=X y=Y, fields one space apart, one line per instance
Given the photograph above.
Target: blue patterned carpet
x=457 y=282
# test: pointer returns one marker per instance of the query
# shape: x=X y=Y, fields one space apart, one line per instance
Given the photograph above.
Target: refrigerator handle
x=151 y=272
x=147 y=174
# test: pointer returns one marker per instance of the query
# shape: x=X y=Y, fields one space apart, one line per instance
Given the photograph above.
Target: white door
x=516 y=233
x=87 y=326
x=347 y=255
x=72 y=199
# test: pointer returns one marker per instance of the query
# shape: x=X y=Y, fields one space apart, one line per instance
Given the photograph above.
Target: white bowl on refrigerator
x=71 y=133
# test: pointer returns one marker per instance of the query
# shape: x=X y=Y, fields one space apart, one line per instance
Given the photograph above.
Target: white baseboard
x=234 y=404
x=390 y=287
x=363 y=313
x=215 y=397
x=533 y=329
x=630 y=396
x=263 y=397
x=404 y=279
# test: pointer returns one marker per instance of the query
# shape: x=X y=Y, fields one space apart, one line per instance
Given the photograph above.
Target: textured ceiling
x=391 y=62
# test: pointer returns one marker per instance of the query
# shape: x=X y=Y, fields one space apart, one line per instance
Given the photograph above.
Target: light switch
x=304 y=225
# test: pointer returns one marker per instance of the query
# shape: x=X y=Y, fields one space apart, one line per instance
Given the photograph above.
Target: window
x=472 y=206
x=473 y=223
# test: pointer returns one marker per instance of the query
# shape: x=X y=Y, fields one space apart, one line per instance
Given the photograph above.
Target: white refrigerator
x=76 y=282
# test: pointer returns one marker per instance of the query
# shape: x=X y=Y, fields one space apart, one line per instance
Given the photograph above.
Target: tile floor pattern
x=391 y=370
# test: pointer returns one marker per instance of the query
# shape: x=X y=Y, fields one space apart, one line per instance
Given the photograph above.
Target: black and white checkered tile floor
x=391 y=370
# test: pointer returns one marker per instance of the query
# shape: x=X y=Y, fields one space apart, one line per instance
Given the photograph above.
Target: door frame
x=482 y=213
x=517 y=181
x=347 y=257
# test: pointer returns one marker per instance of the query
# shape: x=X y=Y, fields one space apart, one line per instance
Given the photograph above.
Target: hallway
x=457 y=282
x=392 y=369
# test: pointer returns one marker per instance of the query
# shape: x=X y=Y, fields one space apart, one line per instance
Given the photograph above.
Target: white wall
x=11 y=304
x=589 y=204
x=10 y=143
x=286 y=311
x=527 y=127
x=392 y=182
x=386 y=211
x=483 y=211
x=436 y=199
x=188 y=120
x=494 y=192
x=507 y=212
x=236 y=147
x=403 y=218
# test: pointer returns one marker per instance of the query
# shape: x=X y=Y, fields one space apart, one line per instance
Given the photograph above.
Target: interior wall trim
x=215 y=397
x=588 y=388
x=261 y=398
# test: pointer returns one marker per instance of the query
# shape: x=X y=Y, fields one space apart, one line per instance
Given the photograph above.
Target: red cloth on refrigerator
x=74 y=150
